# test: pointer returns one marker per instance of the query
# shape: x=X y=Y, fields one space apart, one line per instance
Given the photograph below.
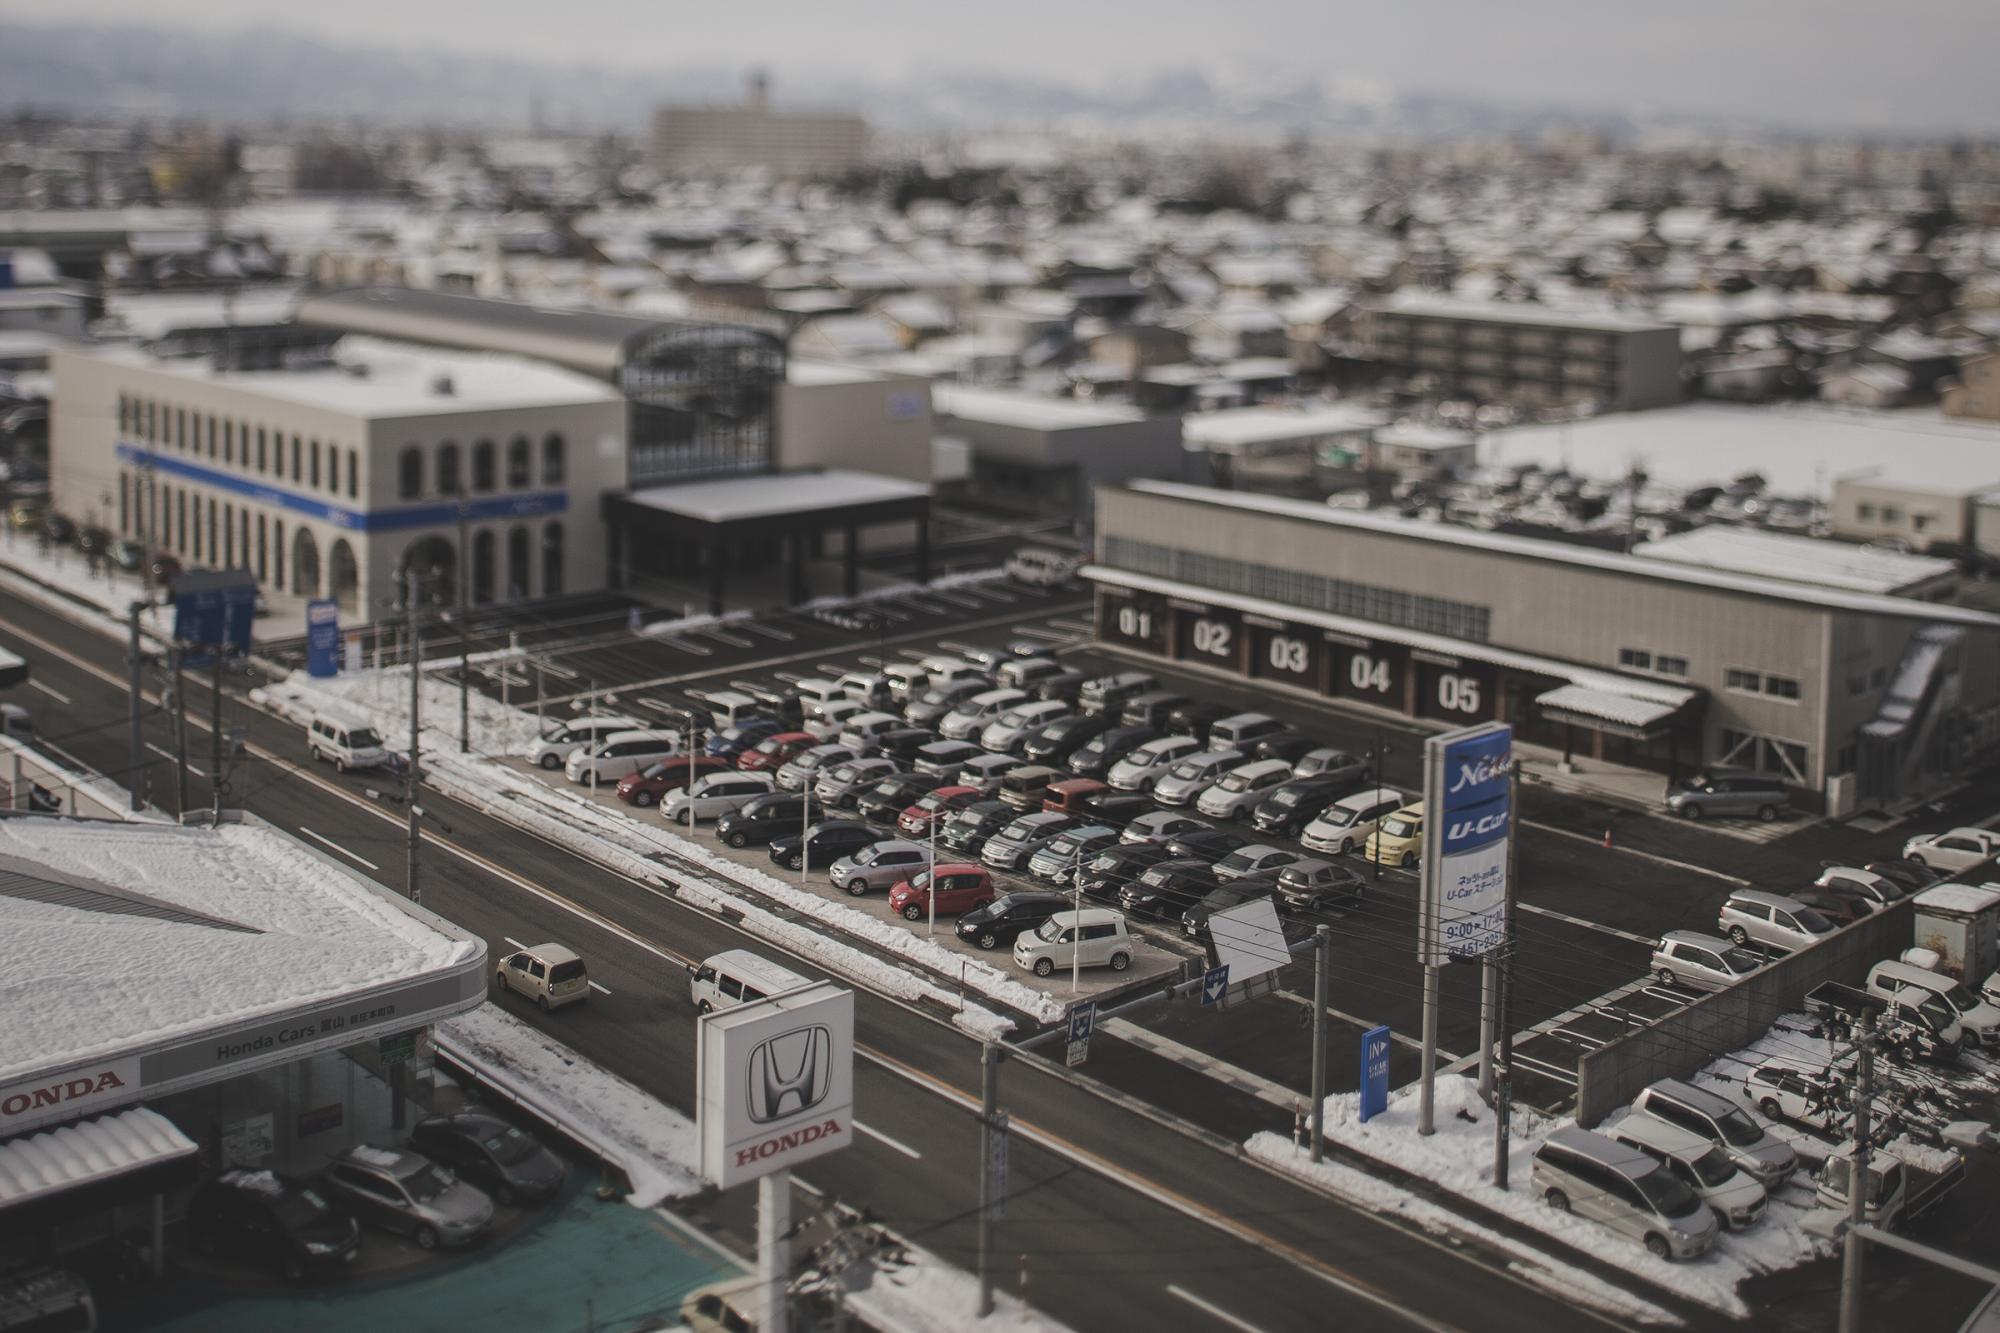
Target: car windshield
x=1063 y=846
x=1397 y=826
x=362 y=738
x=510 y=1145
x=844 y=773
x=1189 y=768
x=298 y=1208
x=867 y=855
x=770 y=745
x=1739 y=1129
x=1104 y=861
x=1013 y=719
x=1960 y=998
x=921 y=881
x=1666 y=1194
x=1812 y=921
x=1234 y=782
x=1287 y=797
x=931 y=804
x=1048 y=930
x=654 y=771
x=427 y=1184
x=1713 y=1168
x=1236 y=861
x=1741 y=960
x=935 y=695
x=1338 y=816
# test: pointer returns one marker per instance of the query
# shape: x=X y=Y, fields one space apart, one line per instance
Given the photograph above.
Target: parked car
x=903 y=744
x=1242 y=731
x=1768 y=1159
x=1919 y=987
x=1771 y=919
x=1148 y=763
x=959 y=888
x=1729 y=795
x=934 y=702
x=1058 y=859
x=1026 y=786
x=1781 y=1092
x=968 y=830
x=1210 y=845
x=945 y=758
x=274 y=1221
x=827 y=718
x=1039 y=567
x=866 y=687
x=1006 y=918
x=1702 y=962
x=1055 y=741
x=1953 y=851
x=1909 y=876
x=1310 y=886
x=1066 y=685
x=1606 y=1181
x=893 y=794
x=1398 y=839
x=1184 y=783
x=823 y=843
x=1024 y=673
x=1730 y=1192
x=1009 y=732
x=405 y=1192
x=802 y=770
x=966 y=721
x=1011 y=847
x=552 y=751
x=494 y=1155
x=1160 y=826
x=1196 y=719
x=552 y=975
x=1194 y=921
x=1071 y=796
x=1288 y=807
x=1107 y=694
x=1151 y=709
x=1290 y=746
x=879 y=865
x=769 y=816
x=1239 y=790
x=1114 y=808
x=619 y=754
x=714 y=796
x=1871 y=886
x=986 y=771
x=1251 y=859
x=1105 y=873
x=649 y=784
x=1168 y=888
x=732 y=742
x=864 y=731
x=1092 y=937
x=1095 y=759
x=1835 y=907
x=840 y=785
x=940 y=804
x=1350 y=821
x=775 y=751
x=1333 y=764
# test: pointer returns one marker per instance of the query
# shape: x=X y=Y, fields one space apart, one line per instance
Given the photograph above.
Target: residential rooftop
x=1814 y=560
x=1028 y=411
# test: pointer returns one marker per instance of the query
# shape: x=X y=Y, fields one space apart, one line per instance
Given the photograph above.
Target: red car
x=774 y=752
x=649 y=784
x=1067 y=797
x=915 y=821
x=960 y=888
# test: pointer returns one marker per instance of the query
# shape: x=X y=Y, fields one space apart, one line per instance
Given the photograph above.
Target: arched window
x=482 y=466
x=552 y=560
x=552 y=460
x=344 y=577
x=517 y=563
x=482 y=568
x=518 y=474
x=449 y=480
x=410 y=473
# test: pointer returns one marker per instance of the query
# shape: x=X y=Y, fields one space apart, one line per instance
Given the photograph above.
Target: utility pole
x=541 y=728
x=1427 y=1073
x=989 y=1105
x=693 y=730
x=180 y=736
x=215 y=734
x=138 y=745
x=1322 y=965
x=1857 y=1180
x=412 y=776
x=1503 y=987
x=464 y=649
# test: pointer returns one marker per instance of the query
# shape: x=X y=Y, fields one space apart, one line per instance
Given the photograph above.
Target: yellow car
x=1399 y=841
x=25 y=515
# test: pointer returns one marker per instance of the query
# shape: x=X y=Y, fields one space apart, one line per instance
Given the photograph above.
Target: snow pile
x=911 y=1290
x=60 y=578
x=1459 y=1157
x=660 y=628
x=385 y=695
x=654 y=1145
x=892 y=590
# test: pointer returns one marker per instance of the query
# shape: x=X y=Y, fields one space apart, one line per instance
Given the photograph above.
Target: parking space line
x=1402 y=1037
x=1690 y=866
x=767 y=631
x=1546 y=1070
x=511 y=940
x=599 y=989
x=1221 y=1071
x=685 y=646
x=882 y=1138
x=330 y=843
x=1648 y=940
x=55 y=694
x=1213 y=1311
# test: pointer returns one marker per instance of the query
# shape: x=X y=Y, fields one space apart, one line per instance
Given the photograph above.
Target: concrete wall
x=866 y=421
x=1729 y=1020
x=1868 y=511
x=1649 y=370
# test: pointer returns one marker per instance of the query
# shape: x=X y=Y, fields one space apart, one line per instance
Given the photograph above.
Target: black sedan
x=1168 y=889
x=1095 y=759
x=1207 y=845
x=273 y=1221
x=1290 y=746
x=1196 y=718
x=769 y=816
x=1290 y=806
x=1053 y=743
x=492 y=1154
x=1107 y=872
x=1115 y=809
x=1194 y=921
x=824 y=843
x=903 y=743
x=968 y=830
x=1004 y=919
x=887 y=799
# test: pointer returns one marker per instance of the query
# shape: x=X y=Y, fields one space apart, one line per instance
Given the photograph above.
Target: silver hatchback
x=880 y=865
x=406 y=1192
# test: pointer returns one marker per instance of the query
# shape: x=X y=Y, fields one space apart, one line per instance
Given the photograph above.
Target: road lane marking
x=324 y=841
x=1690 y=866
x=1649 y=941
x=880 y=1137
x=1362 y=1023
x=1201 y=1062
x=511 y=940
x=599 y=989
x=169 y=756
x=1213 y=1311
x=55 y=694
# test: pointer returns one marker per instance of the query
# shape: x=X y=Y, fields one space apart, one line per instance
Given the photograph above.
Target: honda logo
x=790 y=1073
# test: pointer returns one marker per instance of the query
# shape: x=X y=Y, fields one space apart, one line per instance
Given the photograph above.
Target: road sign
x=214 y=608
x=1214 y=985
x=1082 y=1020
x=1466 y=834
x=322 y=637
x=997 y=1166
x=1374 y=1072
x=395 y=1050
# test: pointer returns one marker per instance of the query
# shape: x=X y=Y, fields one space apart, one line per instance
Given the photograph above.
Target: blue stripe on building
x=535 y=504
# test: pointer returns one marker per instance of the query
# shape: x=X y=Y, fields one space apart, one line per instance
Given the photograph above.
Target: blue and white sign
x=1374 y=1072
x=1082 y=1019
x=1468 y=825
x=215 y=608
x=323 y=637
x=1214 y=985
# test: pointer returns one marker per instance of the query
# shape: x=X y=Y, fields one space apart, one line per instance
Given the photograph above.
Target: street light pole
x=464 y=648
x=413 y=775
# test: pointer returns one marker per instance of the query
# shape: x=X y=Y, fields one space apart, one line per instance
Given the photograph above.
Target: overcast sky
x=1841 y=63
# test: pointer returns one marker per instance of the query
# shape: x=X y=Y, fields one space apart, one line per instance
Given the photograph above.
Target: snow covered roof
x=1799 y=451
x=1417 y=435
x=1959 y=897
x=169 y=953
x=1006 y=407
x=1436 y=306
x=1236 y=428
x=1445 y=534
x=1608 y=705
x=1827 y=564
x=735 y=498
x=90 y=1150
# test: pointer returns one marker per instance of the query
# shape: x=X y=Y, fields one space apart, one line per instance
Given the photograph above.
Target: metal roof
x=39 y=1165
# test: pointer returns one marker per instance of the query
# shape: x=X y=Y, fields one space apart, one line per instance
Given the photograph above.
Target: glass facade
x=703 y=401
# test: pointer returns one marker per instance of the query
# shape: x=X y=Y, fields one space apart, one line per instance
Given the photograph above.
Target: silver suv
x=1771 y=919
x=403 y=1191
x=1732 y=795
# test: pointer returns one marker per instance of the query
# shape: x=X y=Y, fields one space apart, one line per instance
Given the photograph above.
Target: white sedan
x=1959 y=849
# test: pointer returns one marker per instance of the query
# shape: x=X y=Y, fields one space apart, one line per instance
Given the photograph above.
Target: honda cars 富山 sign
x=775 y=1082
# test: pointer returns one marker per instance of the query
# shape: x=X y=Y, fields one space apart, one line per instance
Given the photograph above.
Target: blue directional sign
x=215 y=608
x=323 y=637
x=1374 y=1072
x=1214 y=985
x=1082 y=1019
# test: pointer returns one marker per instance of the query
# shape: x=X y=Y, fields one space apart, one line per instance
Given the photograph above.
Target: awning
x=86 y=1153
x=13 y=669
x=1607 y=710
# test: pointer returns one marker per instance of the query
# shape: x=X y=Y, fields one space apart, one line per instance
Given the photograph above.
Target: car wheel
x=1690 y=811
x=738 y=839
x=642 y=799
x=500 y=980
x=1120 y=961
x=795 y=862
x=1409 y=860
x=857 y=887
x=987 y=939
x=542 y=1001
x=704 y=1008
x=1044 y=967
x=1557 y=1200
x=1657 y=1245
x=1666 y=975
x=1345 y=847
x=427 y=1238
x=1772 y=1111
x=1767 y=813
x=339 y=764
x=550 y=762
x=1739 y=936
x=293 y=1269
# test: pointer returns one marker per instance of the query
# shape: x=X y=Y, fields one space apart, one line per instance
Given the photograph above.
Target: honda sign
x=776 y=1082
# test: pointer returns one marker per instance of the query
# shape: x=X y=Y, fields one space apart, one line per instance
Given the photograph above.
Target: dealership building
x=1855 y=696
x=181 y=1001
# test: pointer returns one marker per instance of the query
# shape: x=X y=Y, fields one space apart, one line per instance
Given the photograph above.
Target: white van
x=1730 y=1192
x=737 y=976
x=1040 y=567
x=620 y=753
x=863 y=730
x=971 y=716
x=826 y=718
x=715 y=795
x=1346 y=824
x=1895 y=981
x=345 y=743
x=726 y=708
x=552 y=751
x=817 y=690
x=1627 y=1190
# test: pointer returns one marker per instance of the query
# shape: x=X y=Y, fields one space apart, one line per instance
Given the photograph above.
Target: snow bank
x=653 y=1144
x=60 y=579
x=497 y=728
x=891 y=590
x=913 y=1291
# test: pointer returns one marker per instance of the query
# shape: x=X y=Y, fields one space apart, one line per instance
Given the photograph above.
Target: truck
x=1899 y=1192
x=1928 y=1030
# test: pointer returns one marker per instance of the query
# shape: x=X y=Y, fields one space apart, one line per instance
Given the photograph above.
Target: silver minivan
x=1346 y=824
x=1736 y=1199
x=1913 y=986
x=1625 y=1189
x=1720 y=1121
x=1701 y=962
x=1771 y=919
